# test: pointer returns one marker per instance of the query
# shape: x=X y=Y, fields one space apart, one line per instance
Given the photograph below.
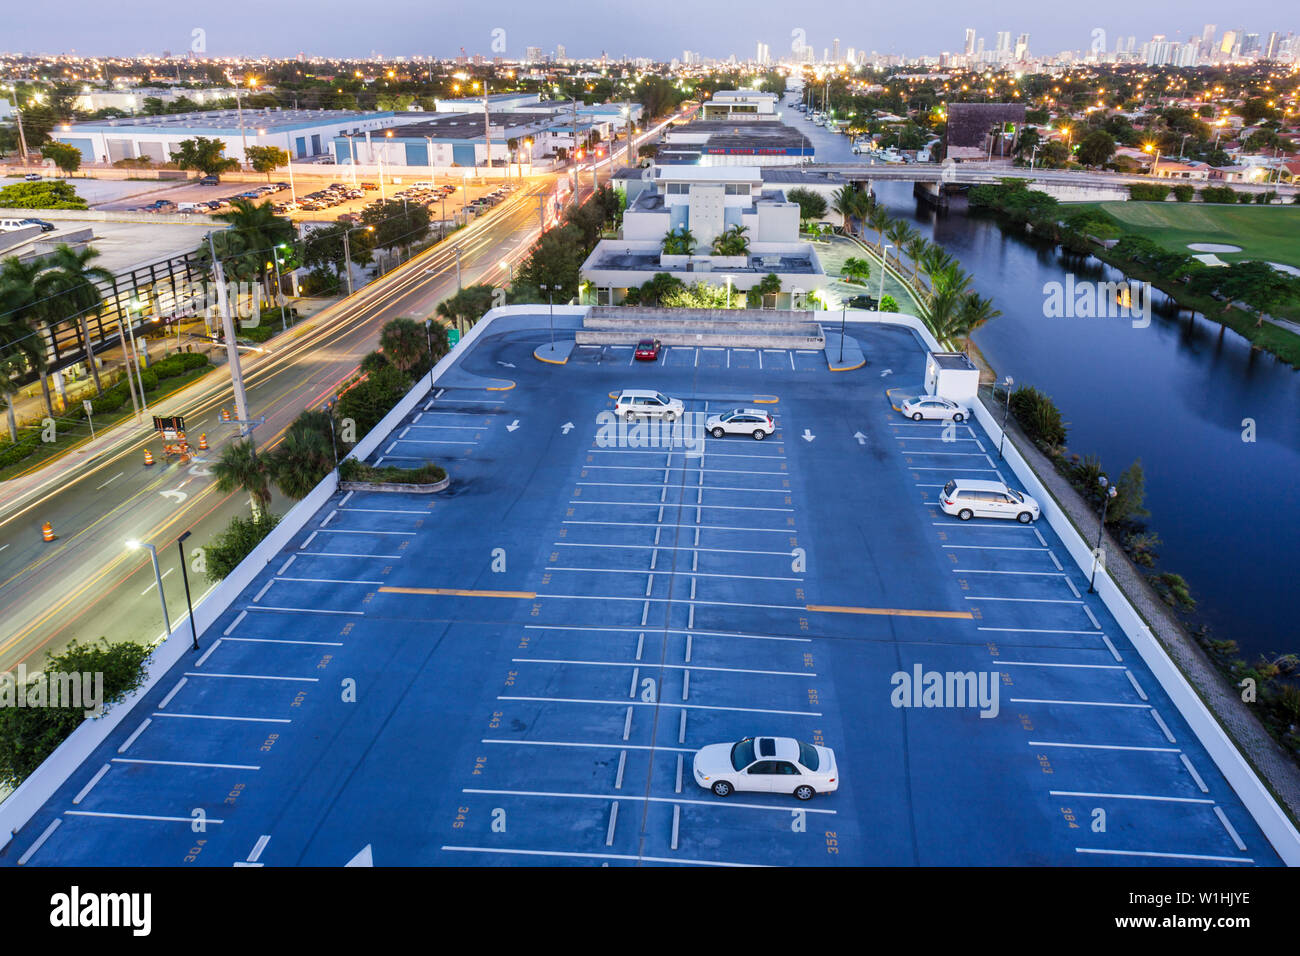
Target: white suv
x=634 y=403
x=969 y=498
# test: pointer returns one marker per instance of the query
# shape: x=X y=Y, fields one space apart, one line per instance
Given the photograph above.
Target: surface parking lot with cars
x=520 y=671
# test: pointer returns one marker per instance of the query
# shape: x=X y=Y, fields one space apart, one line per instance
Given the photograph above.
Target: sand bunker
x=1212 y=247
x=1289 y=270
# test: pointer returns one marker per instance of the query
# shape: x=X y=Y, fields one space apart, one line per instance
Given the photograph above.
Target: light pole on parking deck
x=1108 y=492
x=550 y=298
x=157 y=576
x=1006 y=413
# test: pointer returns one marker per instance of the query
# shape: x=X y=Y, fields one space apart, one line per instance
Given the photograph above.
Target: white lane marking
x=1136 y=686
x=984 y=597
x=189 y=763
x=706 y=527
x=40 y=841
x=302 y=680
x=1195 y=776
x=208 y=653
x=981 y=547
x=343 y=554
x=1218 y=812
x=641 y=484
x=285 y=567
x=463 y=427
x=1111 y=647
x=266 y=587
x=1038 y=574
x=641 y=703
x=154 y=586
x=1168 y=856
x=249 y=720
x=329 y=517
x=110 y=481
x=1039 y=630
x=235 y=623
x=90 y=786
x=303 y=610
x=1102 y=667
x=568 y=855
x=670 y=630
x=1047 y=743
x=711 y=471
x=702 y=574
x=1092 y=617
x=309 y=540
x=684 y=667
x=137 y=816
x=655 y=504
x=1079 y=703
x=330 y=580
x=1169 y=734
x=126 y=744
x=274 y=640
x=172 y=693
x=685 y=601
x=718 y=804
x=1127 y=796
x=350 y=531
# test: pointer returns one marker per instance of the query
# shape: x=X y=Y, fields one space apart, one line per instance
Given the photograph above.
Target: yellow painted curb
x=766 y=400
x=851 y=367
x=501 y=388
x=550 y=361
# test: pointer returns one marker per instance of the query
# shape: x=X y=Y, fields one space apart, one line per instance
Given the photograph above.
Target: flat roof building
x=723 y=143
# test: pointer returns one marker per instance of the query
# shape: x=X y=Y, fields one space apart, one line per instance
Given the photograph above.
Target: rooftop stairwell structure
x=736 y=328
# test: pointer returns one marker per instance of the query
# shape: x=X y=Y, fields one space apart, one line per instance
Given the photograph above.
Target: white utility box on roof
x=952 y=375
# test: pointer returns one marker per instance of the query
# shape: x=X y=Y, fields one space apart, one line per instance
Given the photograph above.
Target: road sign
x=453 y=336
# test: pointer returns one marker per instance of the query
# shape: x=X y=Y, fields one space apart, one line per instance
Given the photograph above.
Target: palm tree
x=69 y=287
x=13 y=366
x=878 y=219
x=856 y=270
x=404 y=342
x=22 y=309
x=301 y=461
x=438 y=341
x=847 y=201
x=731 y=241
x=915 y=247
x=679 y=242
x=238 y=468
x=245 y=248
x=933 y=261
x=975 y=311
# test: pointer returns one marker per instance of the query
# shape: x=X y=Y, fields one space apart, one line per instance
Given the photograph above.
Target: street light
x=1108 y=492
x=180 y=546
x=279 y=289
x=550 y=298
x=883 y=259
x=347 y=251
x=153 y=553
x=510 y=266
x=1006 y=413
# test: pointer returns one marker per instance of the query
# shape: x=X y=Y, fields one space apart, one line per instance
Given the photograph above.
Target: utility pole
x=573 y=150
x=487 y=129
x=228 y=328
x=243 y=135
x=18 y=116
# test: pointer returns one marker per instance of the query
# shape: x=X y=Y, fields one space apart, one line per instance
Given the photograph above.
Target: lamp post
x=1006 y=413
x=194 y=630
x=1108 y=492
x=883 y=259
x=844 y=318
x=510 y=267
x=279 y=289
x=550 y=298
x=153 y=553
x=458 y=251
x=347 y=251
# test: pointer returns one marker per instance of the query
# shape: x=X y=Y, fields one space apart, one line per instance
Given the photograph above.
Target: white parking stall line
x=668 y=600
x=285 y=567
x=265 y=587
x=702 y=574
x=1169 y=734
x=245 y=720
x=126 y=744
x=300 y=680
x=1136 y=686
x=1167 y=856
x=1195 y=776
x=934 y=438
x=188 y=763
x=1070 y=744
x=945 y=454
x=91 y=786
x=982 y=547
x=1025 y=600
x=138 y=816
x=386 y=511
x=636 y=630
x=474 y=401
x=709 y=471
x=1037 y=574
x=570 y=855
x=949 y=470
x=331 y=580
x=389 y=451
x=653 y=703
x=681 y=667
x=208 y=653
x=613 y=823
x=309 y=540
x=172 y=693
x=966 y=525
x=706 y=527
x=1100 y=667
x=1128 y=796
x=303 y=610
x=425 y=441
x=40 y=842
x=760 y=358
x=462 y=427
x=584 y=745
x=1039 y=535
x=1070 y=585
x=717 y=804
x=279 y=640
x=404 y=431
x=1038 y=630
x=681 y=453
x=1111 y=647
x=235 y=623
x=1092 y=617
x=344 y=554
x=1075 y=703
x=651 y=484
x=655 y=504
x=1223 y=818
x=366 y=531
x=346 y=498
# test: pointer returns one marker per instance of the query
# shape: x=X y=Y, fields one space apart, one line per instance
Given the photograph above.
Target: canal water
x=1179 y=394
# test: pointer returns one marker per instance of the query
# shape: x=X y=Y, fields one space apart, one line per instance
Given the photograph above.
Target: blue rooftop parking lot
x=519 y=670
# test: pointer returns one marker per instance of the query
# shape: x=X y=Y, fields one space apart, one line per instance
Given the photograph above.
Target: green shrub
x=1218 y=194
x=374 y=361
x=43 y=195
x=1173 y=590
x=1148 y=192
x=13 y=452
x=224 y=552
x=148 y=379
x=367 y=402
x=1038 y=415
x=1244 y=199
x=1184 y=193
x=350 y=469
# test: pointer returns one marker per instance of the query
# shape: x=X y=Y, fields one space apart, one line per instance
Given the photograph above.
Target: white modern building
x=706 y=201
x=132 y=100
x=740 y=105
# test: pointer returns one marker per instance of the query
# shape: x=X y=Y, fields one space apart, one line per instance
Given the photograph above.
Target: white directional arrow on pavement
x=888 y=371
x=862 y=439
x=566 y=427
x=506 y=364
x=513 y=425
x=807 y=435
x=364 y=858
x=178 y=496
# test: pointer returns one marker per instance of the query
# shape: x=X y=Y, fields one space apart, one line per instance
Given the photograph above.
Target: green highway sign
x=453 y=336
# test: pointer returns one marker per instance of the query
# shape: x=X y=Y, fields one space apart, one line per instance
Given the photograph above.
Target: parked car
x=741 y=421
x=32 y=178
x=973 y=498
x=369 y=187
x=634 y=403
x=45 y=226
x=767 y=765
x=647 y=350
x=209 y=181
x=932 y=406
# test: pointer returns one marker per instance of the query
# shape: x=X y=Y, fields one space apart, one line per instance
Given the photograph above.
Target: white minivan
x=634 y=403
x=971 y=498
x=9 y=225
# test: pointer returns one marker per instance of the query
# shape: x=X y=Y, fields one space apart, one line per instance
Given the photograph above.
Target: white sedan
x=932 y=406
x=741 y=421
x=767 y=765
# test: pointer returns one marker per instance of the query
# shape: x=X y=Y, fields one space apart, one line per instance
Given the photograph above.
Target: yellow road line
x=502 y=388
x=766 y=400
x=889 y=611
x=461 y=592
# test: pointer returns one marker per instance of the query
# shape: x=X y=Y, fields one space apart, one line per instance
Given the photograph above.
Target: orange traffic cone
x=203 y=441
x=47 y=532
x=225 y=415
x=148 y=457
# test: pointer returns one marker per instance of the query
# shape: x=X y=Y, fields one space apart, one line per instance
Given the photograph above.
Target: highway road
x=88 y=584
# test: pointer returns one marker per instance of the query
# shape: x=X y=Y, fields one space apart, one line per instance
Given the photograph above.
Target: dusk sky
x=588 y=27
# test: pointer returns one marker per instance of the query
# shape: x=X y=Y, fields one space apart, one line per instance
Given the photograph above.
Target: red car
x=647 y=350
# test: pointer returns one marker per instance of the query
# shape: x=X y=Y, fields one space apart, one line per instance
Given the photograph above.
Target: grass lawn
x=1271 y=233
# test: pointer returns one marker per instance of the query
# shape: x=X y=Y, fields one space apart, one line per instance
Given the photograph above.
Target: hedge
x=350 y=469
x=1148 y=192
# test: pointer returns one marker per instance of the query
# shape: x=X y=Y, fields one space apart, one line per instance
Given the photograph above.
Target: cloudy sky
x=660 y=29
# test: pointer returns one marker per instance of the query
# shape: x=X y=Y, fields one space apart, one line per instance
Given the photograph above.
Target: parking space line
x=1128 y=796
x=344 y=554
x=655 y=703
x=1167 y=856
x=1102 y=667
x=235 y=623
x=655 y=504
x=570 y=854
x=644 y=484
x=682 y=601
x=461 y=592
x=172 y=693
x=329 y=580
x=1136 y=686
x=1038 y=630
x=248 y=720
x=705 y=527
x=1169 y=734
x=409 y=534
x=710 y=471
x=1092 y=617
x=1025 y=600
x=126 y=744
x=966 y=525
x=666 y=666
x=208 y=653
x=40 y=841
x=138 y=816
x=385 y=511
x=187 y=763
x=888 y=611
x=702 y=574
x=90 y=786
x=1195 y=776
x=1111 y=647
x=668 y=630
x=1040 y=574
x=719 y=804
x=1071 y=744
x=565 y=743
x=278 y=640
x=1077 y=703
x=1237 y=841
x=304 y=680
x=981 y=547
x=303 y=610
